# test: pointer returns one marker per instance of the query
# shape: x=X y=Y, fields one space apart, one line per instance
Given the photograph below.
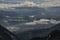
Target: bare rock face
x=54 y=35
x=38 y=38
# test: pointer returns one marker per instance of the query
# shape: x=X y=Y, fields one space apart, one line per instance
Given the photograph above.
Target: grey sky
x=19 y=3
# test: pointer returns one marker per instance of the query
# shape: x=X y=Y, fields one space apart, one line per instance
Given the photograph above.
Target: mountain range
x=37 y=11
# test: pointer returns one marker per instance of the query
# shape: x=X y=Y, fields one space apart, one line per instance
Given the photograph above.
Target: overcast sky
x=19 y=3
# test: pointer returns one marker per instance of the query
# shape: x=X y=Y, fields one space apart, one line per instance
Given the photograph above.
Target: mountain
x=56 y=27
x=24 y=11
x=53 y=12
x=37 y=32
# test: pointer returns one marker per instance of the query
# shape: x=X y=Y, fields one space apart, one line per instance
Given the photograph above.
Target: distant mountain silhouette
x=53 y=12
x=56 y=27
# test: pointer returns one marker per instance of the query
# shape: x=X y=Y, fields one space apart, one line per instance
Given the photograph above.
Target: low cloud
x=43 y=21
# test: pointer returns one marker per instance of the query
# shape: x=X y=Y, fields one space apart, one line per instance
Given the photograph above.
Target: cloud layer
x=33 y=3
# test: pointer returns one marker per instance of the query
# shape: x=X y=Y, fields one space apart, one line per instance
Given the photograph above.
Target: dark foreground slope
x=42 y=33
